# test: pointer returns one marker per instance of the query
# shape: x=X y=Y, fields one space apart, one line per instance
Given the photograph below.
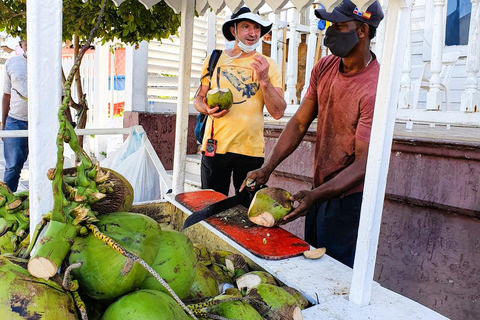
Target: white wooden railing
x=440 y=83
x=425 y=53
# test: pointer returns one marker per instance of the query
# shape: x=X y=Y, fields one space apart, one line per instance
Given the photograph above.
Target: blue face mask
x=229 y=45
x=340 y=43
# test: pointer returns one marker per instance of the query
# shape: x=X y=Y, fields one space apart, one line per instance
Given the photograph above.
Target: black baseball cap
x=348 y=10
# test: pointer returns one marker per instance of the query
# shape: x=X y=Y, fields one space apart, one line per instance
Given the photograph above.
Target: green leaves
x=130 y=23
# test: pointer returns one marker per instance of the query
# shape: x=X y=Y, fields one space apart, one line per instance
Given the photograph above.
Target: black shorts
x=333 y=224
x=216 y=172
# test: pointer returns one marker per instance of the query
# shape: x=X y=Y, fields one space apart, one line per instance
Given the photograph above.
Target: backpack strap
x=212 y=63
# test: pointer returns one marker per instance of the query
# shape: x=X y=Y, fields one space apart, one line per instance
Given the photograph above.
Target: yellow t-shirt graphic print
x=241 y=130
x=242 y=79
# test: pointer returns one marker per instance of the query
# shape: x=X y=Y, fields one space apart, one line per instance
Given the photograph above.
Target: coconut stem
x=80 y=305
x=54 y=246
x=34 y=238
x=205 y=315
x=196 y=307
x=67 y=283
x=109 y=241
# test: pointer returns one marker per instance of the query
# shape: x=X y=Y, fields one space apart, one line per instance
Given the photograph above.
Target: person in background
x=341 y=95
x=233 y=143
x=15 y=116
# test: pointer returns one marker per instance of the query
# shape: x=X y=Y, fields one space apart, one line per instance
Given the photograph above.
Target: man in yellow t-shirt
x=233 y=142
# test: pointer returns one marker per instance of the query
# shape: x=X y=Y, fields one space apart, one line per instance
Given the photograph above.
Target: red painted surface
x=269 y=243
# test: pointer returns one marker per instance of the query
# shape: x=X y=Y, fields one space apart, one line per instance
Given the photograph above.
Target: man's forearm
x=274 y=101
x=288 y=141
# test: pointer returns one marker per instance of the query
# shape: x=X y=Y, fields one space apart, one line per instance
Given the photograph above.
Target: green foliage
x=130 y=23
x=13 y=16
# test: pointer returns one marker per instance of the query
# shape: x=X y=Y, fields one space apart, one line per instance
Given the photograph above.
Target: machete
x=242 y=198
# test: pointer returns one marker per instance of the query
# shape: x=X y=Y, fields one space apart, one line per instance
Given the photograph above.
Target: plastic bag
x=134 y=161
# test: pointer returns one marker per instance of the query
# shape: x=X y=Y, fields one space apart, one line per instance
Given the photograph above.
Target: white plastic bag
x=133 y=160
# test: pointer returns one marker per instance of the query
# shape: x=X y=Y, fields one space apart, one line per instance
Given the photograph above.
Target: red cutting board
x=268 y=243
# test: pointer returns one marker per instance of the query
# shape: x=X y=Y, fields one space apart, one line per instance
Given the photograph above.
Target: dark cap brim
x=333 y=16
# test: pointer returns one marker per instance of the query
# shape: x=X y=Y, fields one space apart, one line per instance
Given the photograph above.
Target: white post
x=323 y=47
x=136 y=77
x=181 y=126
x=211 y=31
x=44 y=26
x=290 y=93
x=471 y=96
x=379 y=153
x=101 y=97
x=274 y=45
x=405 y=98
x=311 y=47
x=434 y=95
x=380 y=37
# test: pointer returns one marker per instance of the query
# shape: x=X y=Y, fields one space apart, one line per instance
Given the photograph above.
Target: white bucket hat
x=245 y=14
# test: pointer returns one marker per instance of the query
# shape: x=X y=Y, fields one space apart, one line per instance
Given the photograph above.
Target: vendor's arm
x=288 y=141
x=272 y=96
x=348 y=178
x=5 y=108
x=200 y=103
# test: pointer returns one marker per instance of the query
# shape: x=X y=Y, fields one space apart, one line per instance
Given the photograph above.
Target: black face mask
x=340 y=43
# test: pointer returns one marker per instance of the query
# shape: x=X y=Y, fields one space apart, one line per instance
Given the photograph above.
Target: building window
x=458 y=22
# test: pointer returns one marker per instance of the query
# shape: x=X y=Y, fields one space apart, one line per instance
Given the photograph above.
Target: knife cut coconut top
x=269 y=206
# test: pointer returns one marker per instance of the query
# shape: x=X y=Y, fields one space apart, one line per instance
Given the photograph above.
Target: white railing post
x=380 y=36
x=211 y=31
x=136 y=77
x=101 y=97
x=181 y=123
x=405 y=97
x=311 y=47
x=434 y=95
x=379 y=153
x=471 y=97
x=282 y=40
x=274 y=45
x=323 y=47
x=290 y=93
x=44 y=98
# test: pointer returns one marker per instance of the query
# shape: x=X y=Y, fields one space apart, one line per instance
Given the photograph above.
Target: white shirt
x=16 y=80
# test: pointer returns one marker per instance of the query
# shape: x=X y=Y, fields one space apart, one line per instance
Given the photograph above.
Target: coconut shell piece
x=314 y=253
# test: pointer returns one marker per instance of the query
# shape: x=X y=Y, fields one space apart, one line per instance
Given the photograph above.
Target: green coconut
x=269 y=206
x=273 y=302
x=254 y=278
x=203 y=255
x=145 y=305
x=175 y=263
x=302 y=302
x=220 y=97
x=204 y=285
x=23 y=296
x=105 y=273
x=236 y=310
